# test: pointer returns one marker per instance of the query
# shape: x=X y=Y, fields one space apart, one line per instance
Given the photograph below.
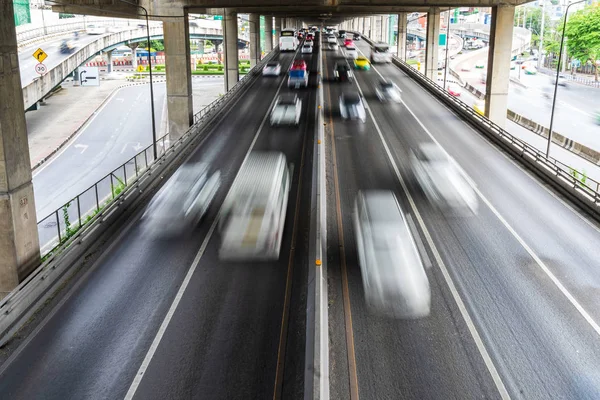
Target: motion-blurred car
x=562 y=80
x=287 y=110
x=454 y=90
x=394 y=279
x=356 y=36
x=352 y=107
x=331 y=39
x=362 y=62
x=465 y=68
x=299 y=64
x=307 y=49
x=342 y=72
x=479 y=107
x=483 y=78
x=92 y=29
x=309 y=42
x=183 y=201
x=253 y=213
x=348 y=42
x=480 y=65
x=351 y=52
x=67 y=47
x=333 y=46
x=530 y=70
x=272 y=68
x=441 y=180
x=388 y=91
x=342 y=34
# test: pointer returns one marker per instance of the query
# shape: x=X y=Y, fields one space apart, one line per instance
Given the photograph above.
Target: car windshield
x=350 y=48
x=287 y=100
x=306 y=46
x=272 y=64
x=351 y=99
x=380 y=49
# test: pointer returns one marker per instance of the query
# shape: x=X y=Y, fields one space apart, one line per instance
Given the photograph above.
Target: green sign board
x=217 y=17
x=442 y=41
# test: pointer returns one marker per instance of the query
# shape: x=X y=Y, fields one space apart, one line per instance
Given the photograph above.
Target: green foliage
x=68 y=230
x=205 y=68
x=220 y=68
x=155 y=45
x=583 y=31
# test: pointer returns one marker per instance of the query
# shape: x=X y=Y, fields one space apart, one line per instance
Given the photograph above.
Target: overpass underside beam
x=433 y=39
x=19 y=243
x=498 y=68
x=179 y=76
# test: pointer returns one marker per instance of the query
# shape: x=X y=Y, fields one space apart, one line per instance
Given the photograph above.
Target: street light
x=151 y=85
x=562 y=42
x=447 y=48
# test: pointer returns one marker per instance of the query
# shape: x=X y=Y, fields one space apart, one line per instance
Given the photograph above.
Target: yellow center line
x=353 y=378
x=288 y=285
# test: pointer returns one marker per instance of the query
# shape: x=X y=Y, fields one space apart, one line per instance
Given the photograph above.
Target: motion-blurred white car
x=465 y=67
x=287 y=110
x=331 y=39
x=307 y=49
x=183 y=201
x=352 y=107
x=388 y=91
x=272 y=68
x=562 y=80
x=394 y=279
x=95 y=29
x=441 y=180
x=351 y=52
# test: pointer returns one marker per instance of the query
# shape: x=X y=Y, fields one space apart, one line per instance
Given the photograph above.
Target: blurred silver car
x=183 y=201
x=394 y=279
x=441 y=179
x=307 y=49
x=287 y=110
x=388 y=91
x=562 y=80
x=272 y=68
x=352 y=107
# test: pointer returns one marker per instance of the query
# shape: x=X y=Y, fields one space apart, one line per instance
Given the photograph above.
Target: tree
x=583 y=31
x=157 y=45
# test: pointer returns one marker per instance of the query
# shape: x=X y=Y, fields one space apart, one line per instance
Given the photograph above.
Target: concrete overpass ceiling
x=314 y=9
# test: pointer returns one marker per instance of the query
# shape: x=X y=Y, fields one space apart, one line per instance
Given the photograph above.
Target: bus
x=288 y=40
x=380 y=53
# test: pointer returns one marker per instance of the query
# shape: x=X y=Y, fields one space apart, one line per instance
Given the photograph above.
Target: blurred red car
x=299 y=64
x=348 y=42
x=454 y=91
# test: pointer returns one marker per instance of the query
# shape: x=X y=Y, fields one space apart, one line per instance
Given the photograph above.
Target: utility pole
x=541 y=48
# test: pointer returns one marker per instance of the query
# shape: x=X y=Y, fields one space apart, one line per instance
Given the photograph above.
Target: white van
x=253 y=214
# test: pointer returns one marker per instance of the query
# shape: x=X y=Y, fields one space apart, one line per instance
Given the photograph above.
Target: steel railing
x=60 y=225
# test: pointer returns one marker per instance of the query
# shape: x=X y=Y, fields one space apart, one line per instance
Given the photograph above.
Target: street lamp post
x=562 y=42
x=447 y=48
x=155 y=152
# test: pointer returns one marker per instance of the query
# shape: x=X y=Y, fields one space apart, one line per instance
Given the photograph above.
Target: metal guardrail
x=56 y=228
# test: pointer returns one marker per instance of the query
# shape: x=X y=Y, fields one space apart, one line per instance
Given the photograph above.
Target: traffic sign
x=40 y=55
x=88 y=76
x=217 y=17
x=41 y=69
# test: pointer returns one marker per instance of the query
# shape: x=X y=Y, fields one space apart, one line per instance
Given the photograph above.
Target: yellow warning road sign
x=40 y=55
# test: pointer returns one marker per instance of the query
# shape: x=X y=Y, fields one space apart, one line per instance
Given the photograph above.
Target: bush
x=220 y=68
x=205 y=68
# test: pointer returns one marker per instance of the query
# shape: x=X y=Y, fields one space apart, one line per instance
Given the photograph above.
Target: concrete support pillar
x=19 y=243
x=498 y=69
x=402 y=22
x=254 y=20
x=433 y=40
x=277 y=30
x=201 y=46
x=230 y=25
x=133 y=47
x=268 y=34
x=372 y=28
x=179 y=76
x=109 y=61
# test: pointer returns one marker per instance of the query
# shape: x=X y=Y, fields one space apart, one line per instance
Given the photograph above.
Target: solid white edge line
x=527 y=248
x=453 y=290
x=165 y=324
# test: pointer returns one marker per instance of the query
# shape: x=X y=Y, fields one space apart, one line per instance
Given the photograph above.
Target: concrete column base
x=433 y=40
x=232 y=74
x=268 y=34
x=401 y=45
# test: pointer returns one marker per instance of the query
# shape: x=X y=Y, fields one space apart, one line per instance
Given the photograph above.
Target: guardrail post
x=79 y=211
x=112 y=187
x=58 y=226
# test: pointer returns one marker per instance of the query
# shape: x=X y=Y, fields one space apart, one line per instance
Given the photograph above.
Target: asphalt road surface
x=524 y=267
x=238 y=331
x=576 y=105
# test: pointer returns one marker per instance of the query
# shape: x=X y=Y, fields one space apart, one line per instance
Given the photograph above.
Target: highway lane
x=434 y=357
x=523 y=264
x=93 y=345
x=575 y=104
x=118 y=131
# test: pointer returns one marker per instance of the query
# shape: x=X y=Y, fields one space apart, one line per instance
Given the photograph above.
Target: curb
x=78 y=129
